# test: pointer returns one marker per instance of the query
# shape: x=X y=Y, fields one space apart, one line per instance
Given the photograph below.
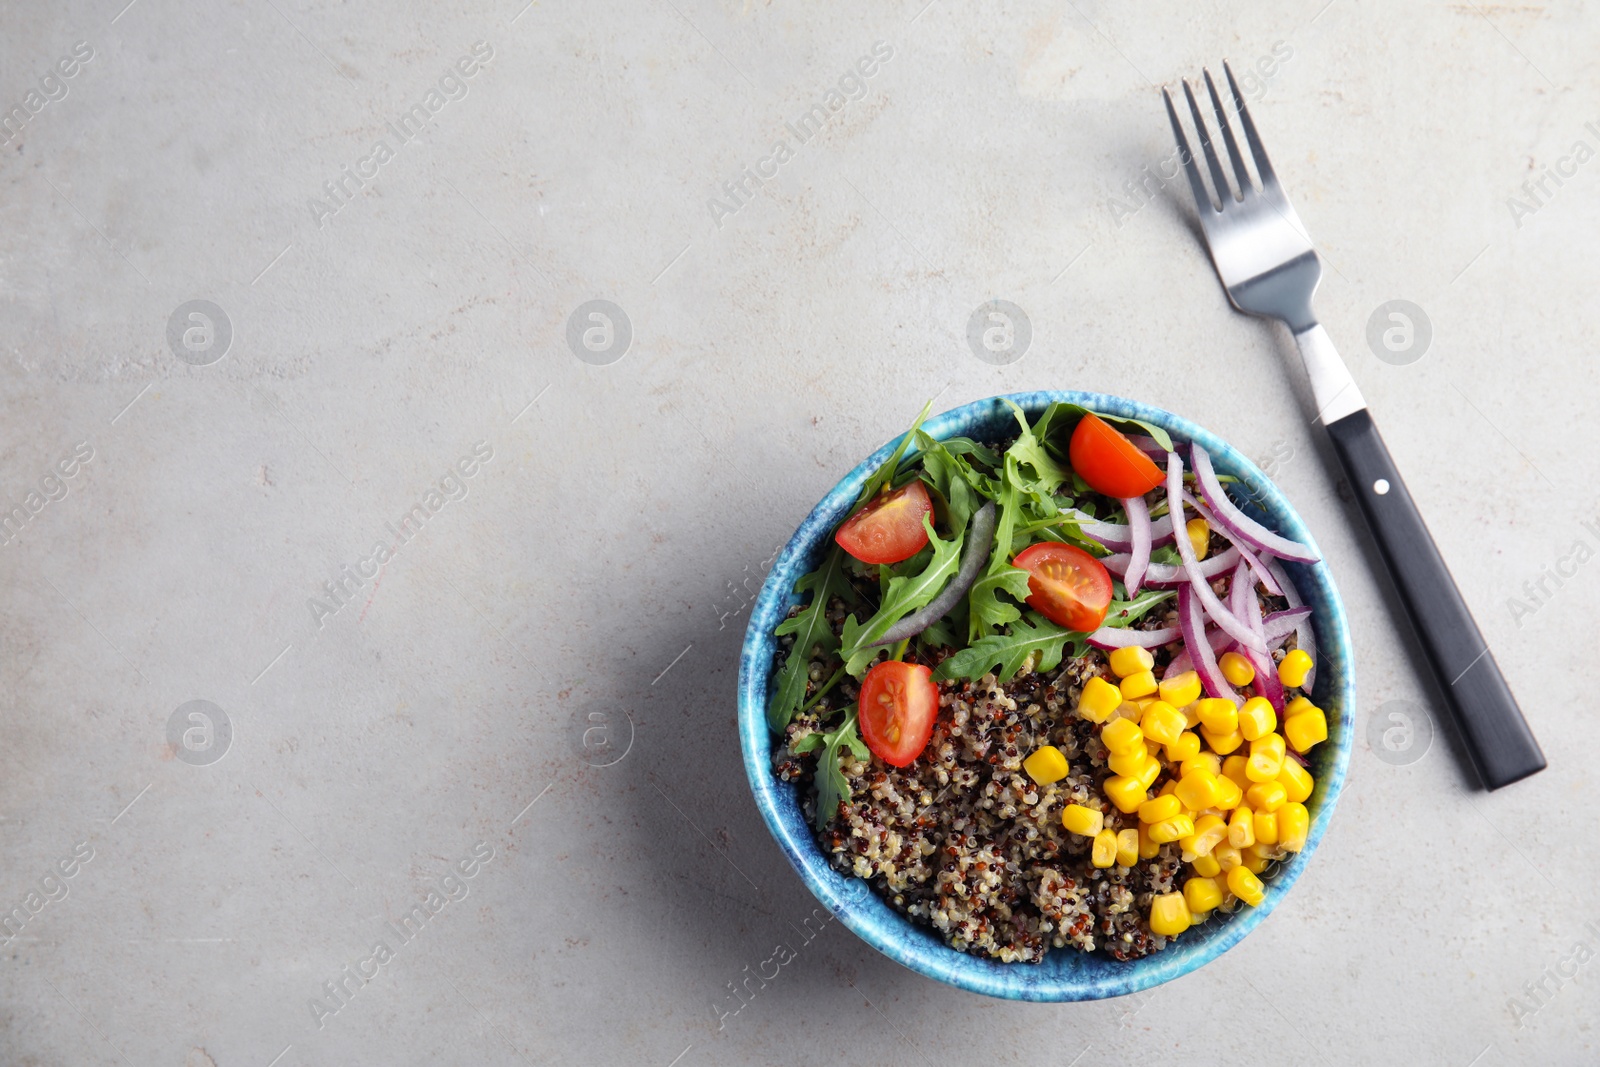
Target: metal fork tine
x=1269 y=180
x=1239 y=170
x=1202 y=199
x=1224 y=194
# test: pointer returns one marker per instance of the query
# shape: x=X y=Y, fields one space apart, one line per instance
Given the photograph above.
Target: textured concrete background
x=600 y=561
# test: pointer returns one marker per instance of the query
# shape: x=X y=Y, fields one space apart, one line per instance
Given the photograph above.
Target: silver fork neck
x=1332 y=388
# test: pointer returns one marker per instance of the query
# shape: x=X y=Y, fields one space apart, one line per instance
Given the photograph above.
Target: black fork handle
x=1496 y=734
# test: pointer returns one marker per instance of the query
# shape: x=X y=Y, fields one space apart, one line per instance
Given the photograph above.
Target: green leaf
x=832 y=786
x=1060 y=419
x=1125 y=612
x=1005 y=653
x=1167 y=554
x=986 y=610
x=889 y=467
x=904 y=595
x=1027 y=452
x=810 y=628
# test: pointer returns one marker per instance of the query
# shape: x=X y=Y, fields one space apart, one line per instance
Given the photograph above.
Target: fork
x=1269 y=269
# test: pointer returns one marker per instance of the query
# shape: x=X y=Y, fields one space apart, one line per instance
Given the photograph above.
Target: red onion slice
x=1199 y=648
x=1122 y=637
x=1280 y=624
x=1262 y=574
x=1139 y=558
x=1304 y=636
x=1245 y=603
x=1241 y=526
x=1166 y=576
x=1184 y=662
x=1119 y=538
x=1197 y=581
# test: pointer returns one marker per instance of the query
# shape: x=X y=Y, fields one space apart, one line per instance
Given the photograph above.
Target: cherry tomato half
x=1066 y=585
x=888 y=528
x=1109 y=462
x=899 y=702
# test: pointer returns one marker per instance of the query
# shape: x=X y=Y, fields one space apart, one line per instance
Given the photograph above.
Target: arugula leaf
x=832 y=786
x=1167 y=554
x=1049 y=428
x=1029 y=451
x=889 y=467
x=966 y=446
x=1005 y=653
x=810 y=628
x=943 y=474
x=904 y=595
x=986 y=610
x=1125 y=612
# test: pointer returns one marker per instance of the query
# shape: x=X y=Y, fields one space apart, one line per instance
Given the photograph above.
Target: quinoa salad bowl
x=1004 y=825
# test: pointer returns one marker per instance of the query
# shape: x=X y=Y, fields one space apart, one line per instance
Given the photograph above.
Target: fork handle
x=1496 y=734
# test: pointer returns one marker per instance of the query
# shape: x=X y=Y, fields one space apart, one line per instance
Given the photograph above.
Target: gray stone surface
x=600 y=560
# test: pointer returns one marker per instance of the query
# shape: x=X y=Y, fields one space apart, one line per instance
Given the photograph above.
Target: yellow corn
x=1187 y=744
x=1266 y=827
x=1197 y=789
x=1222 y=744
x=1127 y=847
x=1252 y=861
x=1294 y=822
x=1125 y=793
x=1160 y=809
x=1172 y=829
x=1207 y=866
x=1130 y=762
x=1203 y=760
x=1169 y=915
x=1227 y=856
x=1236 y=669
x=1229 y=795
x=1233 y=767
x=1100 y=698
x=1122 y=735
x=1162 y=723
x=1242 y=828
x=1199 y=536
x=1151 y=771
x=1138 y=685
x=1246 y=886
x=1306 y=728
x=1294 y=668
x=1191 y=715
x=1266 y=758
x=1103 y=853
x=1148 y=849
x=1085 y=822
x=1180 y=690
x=1046 y=765
x=1209 y=832
x=1131 y=660
x=1218 y=715
x=1266 y=796
x=1296 y=781
x=1257 y=719
x=1170 y=787
x=1202 y=894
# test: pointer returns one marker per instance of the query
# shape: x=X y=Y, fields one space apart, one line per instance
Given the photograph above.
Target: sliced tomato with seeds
x=888 y=528
x=1066 y=585
x=898 y=704
x=1111 y=464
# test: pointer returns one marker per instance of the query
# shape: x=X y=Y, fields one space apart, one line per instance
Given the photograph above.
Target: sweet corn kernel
x=1162 y=723
x=1100 y=698
x=1199 y=536
x=1197 y=789
x=1257 y=719
x=1127 y=847
x=1222 y=744
x=1169 y=788
x=1180 y=690
x=1103 y=853
x=1130 y=762
x=1046 y=765
x=1085 y=822
x=1132 y=660
x=1294 y=822
x=1252 y=861
x=1203 y=760
x=1294 y=668
x=1207 y=866
x=1296 y=706
x=1160 y=809
x=1218 y=715
x=1242 y=828
x=1246 y=886
x=1122 y=735
x=1236 y=669
x=1125 y=793
x=1187 y=744
x=1266 y=796
x=1233 y=767
x=1148 y=849
x=1172 y=829
x=1202 y=894
x=1306 y=728
x=1209 y=832
x=1296 y=781
x=1266 y=827
x=1227 y=856
x=1151 y=771
x=1138 y=685
x=1266 y=758
x=1229 y=795
x=1169 y=915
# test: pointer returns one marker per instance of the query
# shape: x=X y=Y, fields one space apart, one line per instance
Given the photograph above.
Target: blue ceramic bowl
x=1065 y=974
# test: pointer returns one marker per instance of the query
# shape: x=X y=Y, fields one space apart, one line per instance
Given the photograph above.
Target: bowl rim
x=918 y=947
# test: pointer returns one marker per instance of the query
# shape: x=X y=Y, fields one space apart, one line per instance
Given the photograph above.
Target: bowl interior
x=1065 y=974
